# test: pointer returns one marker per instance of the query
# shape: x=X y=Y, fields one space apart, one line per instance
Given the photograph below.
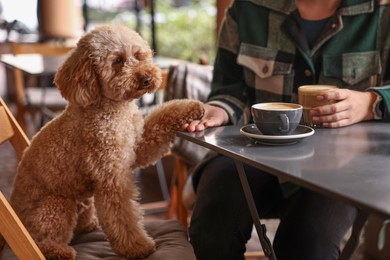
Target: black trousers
x=311 y=225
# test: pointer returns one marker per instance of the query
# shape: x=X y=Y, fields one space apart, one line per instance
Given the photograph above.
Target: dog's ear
x=77 y=80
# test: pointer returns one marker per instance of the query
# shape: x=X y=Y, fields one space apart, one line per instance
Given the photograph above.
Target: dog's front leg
x=121 y=218
x=160 y=128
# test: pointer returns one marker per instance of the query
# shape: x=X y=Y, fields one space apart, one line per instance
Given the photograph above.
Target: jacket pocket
x=352 y=68
x=268 y=72
x=263 y=61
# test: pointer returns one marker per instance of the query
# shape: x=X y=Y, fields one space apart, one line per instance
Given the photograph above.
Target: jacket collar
x=348 y=7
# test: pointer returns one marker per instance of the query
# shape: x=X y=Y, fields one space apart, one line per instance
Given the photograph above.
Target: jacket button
x=265 y=69
x=308 y=73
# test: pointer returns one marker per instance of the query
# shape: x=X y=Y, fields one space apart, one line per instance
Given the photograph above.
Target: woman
x=266 y=50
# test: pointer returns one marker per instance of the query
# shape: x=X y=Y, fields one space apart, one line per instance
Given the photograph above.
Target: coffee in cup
x=307 y=97
x=276 y=118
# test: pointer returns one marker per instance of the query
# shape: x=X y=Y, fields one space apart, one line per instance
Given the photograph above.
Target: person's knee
x=219 y=177
x=312 y=227
x=306 y=247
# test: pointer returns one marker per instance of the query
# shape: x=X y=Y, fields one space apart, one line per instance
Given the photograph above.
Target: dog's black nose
x=146 y=81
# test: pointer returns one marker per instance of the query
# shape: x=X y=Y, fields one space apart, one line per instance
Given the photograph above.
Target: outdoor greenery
x=184 y=29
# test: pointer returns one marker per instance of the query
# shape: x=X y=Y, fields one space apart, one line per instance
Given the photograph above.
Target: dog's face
x=111 y=62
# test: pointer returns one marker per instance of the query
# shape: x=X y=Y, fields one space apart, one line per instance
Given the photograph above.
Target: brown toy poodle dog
x=77 y=173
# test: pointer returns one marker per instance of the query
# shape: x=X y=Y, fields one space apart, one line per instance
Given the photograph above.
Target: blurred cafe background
x=180 y=29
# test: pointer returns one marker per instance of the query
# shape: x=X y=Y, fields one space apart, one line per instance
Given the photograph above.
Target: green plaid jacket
x=260 y=39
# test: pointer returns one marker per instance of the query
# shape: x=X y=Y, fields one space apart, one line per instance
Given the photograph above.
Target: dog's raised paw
x=196 y=110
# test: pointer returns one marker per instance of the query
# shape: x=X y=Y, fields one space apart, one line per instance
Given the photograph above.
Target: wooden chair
x=11 y=228
x=16 y=242
x=42 y=99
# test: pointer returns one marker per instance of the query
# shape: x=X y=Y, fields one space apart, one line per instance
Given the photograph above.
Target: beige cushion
x=170 y=236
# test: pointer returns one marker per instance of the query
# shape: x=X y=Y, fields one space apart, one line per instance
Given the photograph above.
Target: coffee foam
x=315 y=89
x=277 y=106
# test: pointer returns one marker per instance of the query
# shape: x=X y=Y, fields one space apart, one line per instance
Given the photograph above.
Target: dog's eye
x=118 y=60
x=140 y=55
x=137 y=55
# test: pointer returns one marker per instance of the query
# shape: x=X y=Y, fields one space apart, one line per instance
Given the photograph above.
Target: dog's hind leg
x=51 y=224
x=87 y=220
x=121 y=217
x=54 y=250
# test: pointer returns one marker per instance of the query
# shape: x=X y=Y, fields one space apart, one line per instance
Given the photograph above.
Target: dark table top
x=351 y=163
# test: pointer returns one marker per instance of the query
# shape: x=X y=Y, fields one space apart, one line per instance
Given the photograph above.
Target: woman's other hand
x=350 y=107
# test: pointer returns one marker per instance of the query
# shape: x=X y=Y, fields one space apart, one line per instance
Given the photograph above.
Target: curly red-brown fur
x=77 y=173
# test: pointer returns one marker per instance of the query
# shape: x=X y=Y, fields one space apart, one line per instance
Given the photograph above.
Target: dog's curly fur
x=77 y=173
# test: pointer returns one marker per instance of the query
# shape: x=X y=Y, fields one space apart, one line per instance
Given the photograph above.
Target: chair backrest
x=11 y=228
x=192 y=81
x=188 y=80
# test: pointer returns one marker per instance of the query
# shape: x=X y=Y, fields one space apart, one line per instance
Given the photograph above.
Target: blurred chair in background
x=186 y=80
x=43 y=100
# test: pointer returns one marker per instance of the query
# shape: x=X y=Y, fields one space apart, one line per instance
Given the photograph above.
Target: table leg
x=260 y=228
x=353 y=241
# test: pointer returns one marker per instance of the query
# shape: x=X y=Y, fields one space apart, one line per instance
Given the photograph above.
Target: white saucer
x=298 y=134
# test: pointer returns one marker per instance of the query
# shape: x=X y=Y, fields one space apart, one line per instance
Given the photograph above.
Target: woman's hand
x=213 y=116
x=350 y=107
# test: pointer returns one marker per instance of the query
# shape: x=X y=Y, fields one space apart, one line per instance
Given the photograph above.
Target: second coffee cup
x=307 y=96
x=276 y=118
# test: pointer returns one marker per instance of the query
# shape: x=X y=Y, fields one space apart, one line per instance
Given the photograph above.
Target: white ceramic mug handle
x=285 y=122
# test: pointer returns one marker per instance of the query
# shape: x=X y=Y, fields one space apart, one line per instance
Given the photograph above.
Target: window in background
x=18 y=20
x=184 y=29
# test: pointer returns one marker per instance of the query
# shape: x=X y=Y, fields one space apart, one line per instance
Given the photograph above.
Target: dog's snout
x=146 y=81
